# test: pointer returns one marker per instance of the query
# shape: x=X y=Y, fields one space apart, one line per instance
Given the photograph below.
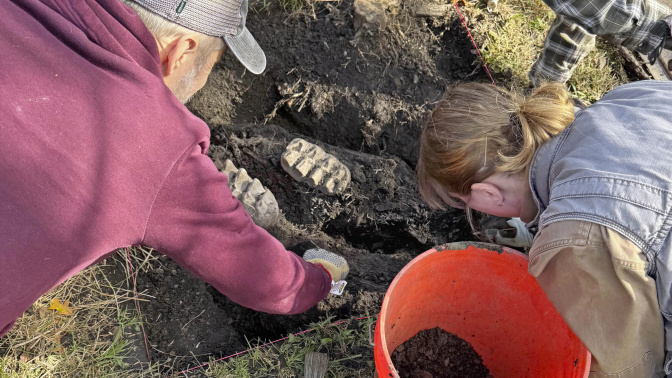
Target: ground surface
x=360 y=93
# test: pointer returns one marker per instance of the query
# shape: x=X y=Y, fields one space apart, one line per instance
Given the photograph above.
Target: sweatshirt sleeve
x=196 y=221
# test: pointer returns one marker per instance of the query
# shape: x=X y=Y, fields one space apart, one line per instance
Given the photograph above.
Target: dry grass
x=90 y=343
x=94 y=341
x=601 y=71
x=289 y=6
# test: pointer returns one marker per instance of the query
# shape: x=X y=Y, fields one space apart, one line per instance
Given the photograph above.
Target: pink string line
x=474 y=42
x=269 y=343
x=137 y=303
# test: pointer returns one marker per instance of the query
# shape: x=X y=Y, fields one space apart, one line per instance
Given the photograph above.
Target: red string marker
x=474 y=43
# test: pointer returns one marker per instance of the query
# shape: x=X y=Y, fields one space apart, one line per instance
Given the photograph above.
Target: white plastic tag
x=337 y=287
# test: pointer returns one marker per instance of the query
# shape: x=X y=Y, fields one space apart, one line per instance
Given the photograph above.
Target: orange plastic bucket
x=483 y=294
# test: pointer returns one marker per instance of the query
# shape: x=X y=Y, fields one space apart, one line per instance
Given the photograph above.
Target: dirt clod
x=371 y=13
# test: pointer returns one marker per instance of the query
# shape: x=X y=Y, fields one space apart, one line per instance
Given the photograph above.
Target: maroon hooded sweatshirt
x=97 y=154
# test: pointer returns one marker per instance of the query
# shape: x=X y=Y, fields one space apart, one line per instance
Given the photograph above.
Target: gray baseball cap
x=218 y=18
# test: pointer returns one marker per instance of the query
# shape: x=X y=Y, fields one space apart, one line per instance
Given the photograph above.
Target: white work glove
x=333 y=263
x=515 y=235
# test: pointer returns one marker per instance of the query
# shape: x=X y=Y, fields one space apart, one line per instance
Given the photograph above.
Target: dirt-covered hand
x=333 y=263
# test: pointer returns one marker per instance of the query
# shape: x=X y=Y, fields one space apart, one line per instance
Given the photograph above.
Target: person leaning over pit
x=99 y=152
x=599 y=188
x=638 y=25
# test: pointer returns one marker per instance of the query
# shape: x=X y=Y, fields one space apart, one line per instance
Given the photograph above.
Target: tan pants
x=596 y=279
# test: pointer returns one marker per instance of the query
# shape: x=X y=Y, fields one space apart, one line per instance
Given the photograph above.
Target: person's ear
x=179 y=54
x=487 y=194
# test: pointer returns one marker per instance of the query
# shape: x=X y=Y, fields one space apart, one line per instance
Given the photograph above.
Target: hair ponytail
x=540 y=116
x=478 y=130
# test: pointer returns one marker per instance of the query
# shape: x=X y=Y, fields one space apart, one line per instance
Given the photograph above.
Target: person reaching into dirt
x=638 y=25
x=598 y=186
x=99 y=152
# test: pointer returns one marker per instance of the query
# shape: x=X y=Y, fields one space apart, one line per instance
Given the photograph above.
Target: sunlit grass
x=346 y=346
x=514 y=37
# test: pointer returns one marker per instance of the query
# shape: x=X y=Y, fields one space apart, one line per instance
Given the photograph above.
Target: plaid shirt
x=634 y=24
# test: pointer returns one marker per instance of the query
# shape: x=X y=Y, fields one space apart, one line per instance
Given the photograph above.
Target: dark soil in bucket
x=435 y=353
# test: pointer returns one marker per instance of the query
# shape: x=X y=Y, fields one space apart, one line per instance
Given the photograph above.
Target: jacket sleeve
x=565 y=45
x=597 y=280
x=196 y=221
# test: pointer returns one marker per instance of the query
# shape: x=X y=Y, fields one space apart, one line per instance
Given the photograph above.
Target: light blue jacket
x=613 y=166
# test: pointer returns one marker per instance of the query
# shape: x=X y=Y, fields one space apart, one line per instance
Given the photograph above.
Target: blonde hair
x=478 y=130
x=162 y=28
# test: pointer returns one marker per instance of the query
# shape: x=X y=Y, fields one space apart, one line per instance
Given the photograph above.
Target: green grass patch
x=346 y=345
x=514 y=37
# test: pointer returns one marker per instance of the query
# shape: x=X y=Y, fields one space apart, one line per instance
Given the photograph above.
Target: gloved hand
x=510 y=232
x=333 y=263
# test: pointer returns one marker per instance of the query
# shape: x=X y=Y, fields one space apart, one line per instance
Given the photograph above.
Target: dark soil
x=435 y=353
x=361 y=94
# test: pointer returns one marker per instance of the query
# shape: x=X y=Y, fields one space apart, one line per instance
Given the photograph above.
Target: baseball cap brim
x=247 y=50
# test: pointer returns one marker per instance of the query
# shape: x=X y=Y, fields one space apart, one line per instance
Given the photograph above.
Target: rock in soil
x=435 y=353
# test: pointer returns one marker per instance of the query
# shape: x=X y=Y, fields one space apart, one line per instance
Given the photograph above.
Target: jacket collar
x=540 y=173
